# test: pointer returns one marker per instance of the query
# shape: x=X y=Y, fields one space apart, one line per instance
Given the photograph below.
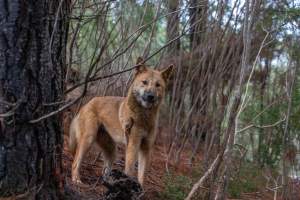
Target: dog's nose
x=150 y=97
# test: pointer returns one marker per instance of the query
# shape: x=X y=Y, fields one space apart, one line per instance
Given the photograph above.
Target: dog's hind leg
x=88 y=128
x=108 y=148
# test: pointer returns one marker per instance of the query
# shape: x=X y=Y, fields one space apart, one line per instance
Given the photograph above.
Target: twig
x=262 y=127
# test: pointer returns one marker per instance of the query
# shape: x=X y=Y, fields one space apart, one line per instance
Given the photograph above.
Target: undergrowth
x=247 y=179
x=176 y=187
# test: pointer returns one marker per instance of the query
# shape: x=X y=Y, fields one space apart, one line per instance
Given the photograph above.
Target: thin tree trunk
x=32 y=69
x=198 y=16
x=235 y=112
x=261 y=136
x=173 y=26
x=285 y=139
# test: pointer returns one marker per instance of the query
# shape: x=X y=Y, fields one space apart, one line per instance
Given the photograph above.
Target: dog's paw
x=76 y=180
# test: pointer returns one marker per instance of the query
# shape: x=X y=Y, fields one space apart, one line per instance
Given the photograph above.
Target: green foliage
x=268 y=141
x=249 y=179
x=176 y=187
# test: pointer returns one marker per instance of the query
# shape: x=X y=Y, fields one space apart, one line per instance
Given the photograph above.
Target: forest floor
x=91 y=171
x=157 y=186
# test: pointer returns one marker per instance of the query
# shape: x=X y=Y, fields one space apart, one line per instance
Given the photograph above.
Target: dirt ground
x=154 y=185
x=91 y=171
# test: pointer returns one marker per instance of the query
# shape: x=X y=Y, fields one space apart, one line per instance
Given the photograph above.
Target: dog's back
x=104 y=111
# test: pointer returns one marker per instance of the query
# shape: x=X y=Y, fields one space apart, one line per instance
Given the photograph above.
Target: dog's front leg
x=132 y=149
x=144 y=156
x=127 y=128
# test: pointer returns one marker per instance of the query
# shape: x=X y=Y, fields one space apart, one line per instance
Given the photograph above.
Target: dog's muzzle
x=149 y=97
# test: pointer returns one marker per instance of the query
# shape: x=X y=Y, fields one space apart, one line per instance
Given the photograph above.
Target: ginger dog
x=130 y=120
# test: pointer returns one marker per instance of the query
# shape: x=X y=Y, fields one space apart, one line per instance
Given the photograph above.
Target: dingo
x=129 y=120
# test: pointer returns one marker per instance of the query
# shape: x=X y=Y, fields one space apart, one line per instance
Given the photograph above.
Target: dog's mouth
x=147 y=100
x=146 y=103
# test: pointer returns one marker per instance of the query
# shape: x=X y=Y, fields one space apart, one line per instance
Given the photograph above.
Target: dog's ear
x=140 y=60
x=141 y=66
x=166 y=73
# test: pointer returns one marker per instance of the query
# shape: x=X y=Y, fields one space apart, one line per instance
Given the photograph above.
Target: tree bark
x=33 y=38
x=198 y=16
x=173 y=27
x=286 y=135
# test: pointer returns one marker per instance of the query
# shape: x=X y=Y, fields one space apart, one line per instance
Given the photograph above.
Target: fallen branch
x=200 y=183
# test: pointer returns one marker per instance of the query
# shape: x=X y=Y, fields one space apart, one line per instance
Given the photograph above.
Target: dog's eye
x=157 y=85
x=145 y=82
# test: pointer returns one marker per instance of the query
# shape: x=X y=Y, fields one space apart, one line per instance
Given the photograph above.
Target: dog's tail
x=73 y=135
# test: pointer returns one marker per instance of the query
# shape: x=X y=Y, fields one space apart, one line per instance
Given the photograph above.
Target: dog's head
x=149 y=85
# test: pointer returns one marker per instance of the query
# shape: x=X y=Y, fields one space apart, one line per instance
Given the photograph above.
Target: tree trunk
x=198 y=16
x=173 y=27
x=286 y=195
x=32 y=69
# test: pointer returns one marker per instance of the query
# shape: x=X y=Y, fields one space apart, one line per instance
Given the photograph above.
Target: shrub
x=176 y=187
